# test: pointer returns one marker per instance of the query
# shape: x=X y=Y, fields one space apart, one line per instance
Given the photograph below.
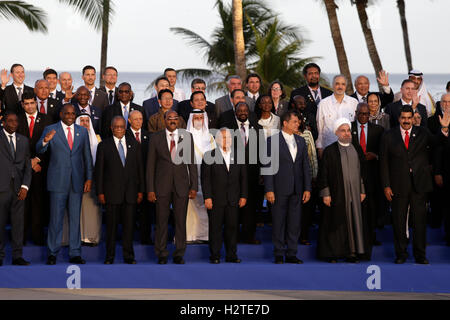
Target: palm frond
x=91 y=10
x=33 y=17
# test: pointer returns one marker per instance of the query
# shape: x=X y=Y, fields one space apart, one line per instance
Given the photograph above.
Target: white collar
x=64 y=126
x=125 y=105
x=333 y=98
x=344 y=144
x=9 y=134
x=32 y=115
x=134 y=131
x=406 y=103
x=168 y=133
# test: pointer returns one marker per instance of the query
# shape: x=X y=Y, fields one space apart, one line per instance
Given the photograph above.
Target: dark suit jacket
x=96 y=116
x=18 y=167
x=120 y=184
x=224 y=104
x=100 y=100
x=145 y=140
x=291 y=176
x=185 y=108
x=311 y=106
x=41 y=121
x=53 y=109
x=116 y=110
x=9 y=99
x=393 y=110
x=398 y=164
x=385 y=98
x=163 y=176
x=107 y=94
x=151 y=106
x=223 y=186
x=369 y=169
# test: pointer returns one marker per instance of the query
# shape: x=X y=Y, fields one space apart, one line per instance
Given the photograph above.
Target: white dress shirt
x=31 y=115
x=21 y=86
x=318 y=92
x=127 y=106
x=246 y=126
x=226 y=157
x=253 y=96
x=72 y=131
x=39 y=104
x=87 y=109
x=92 y=94
x=52 y=93
x=292 y=144
x=328 y=111
x=175 y=137
x=139 y=133
x=124 y=144
x=403 y=132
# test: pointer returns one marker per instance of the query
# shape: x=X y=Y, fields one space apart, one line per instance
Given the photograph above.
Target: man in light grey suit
x=225 y=103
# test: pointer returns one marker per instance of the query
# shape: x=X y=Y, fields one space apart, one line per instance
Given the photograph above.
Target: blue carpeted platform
x=256 y=272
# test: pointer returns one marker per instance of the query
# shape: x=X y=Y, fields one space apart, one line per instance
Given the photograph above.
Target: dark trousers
x=125 y=214
x=226 y=217
x=417 y=219
x=286 y=214
x=161 y=224
x=369 y=217
x=308 y=211
x=59 y=202
x=36 y=210
x=145 y=213
x=11 y=207
x=248 y=213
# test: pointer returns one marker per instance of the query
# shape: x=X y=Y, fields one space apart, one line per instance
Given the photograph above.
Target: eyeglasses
x=172 y=118
x=276 y=89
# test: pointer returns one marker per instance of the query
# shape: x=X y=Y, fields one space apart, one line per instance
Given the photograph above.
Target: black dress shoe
x=162 y=260
x=279 y=259
x=109 y=261
x=331 y=260
x=214 y=261
x=253 y=241
x=400 y=261
x=233 y=260
x=377 y=243
x=178 y=260
x=129 y=261
x=147 y=242
x=352 y=260
x=305 y=242
x=20 y=262
x=422 y=261
x=293 y=259
x=1 y=262
x=51 y=260
x=77 y=260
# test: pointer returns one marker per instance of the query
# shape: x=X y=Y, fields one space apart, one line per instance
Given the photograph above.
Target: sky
x=140 y=39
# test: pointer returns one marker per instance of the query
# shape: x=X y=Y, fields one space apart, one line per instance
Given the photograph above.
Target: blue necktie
x=316 y=96
x=125 y=113
x=121 y=152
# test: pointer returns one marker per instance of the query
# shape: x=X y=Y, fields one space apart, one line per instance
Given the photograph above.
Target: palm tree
x=33 y=17
x=361 y=6
x=331 y=8
x=98 y=13
x=401 y=10
x=238 y=35
x=219 y=52
x=278 y=53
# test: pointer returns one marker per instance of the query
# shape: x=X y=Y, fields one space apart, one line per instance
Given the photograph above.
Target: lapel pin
x=414 y=134
x=51 y=106
x=145 y=137
x=78 y=134
x=37 y=120
x=354 y=132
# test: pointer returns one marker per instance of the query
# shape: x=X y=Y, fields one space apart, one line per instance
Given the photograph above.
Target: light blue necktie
x=125 y=113
x=121 y=152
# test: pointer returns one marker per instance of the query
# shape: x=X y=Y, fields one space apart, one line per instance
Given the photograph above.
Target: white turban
x=339 y=122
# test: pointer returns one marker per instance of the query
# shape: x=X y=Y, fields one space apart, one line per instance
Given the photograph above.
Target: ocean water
x=141 y=80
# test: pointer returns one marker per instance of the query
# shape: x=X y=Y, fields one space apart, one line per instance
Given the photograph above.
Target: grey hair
x=117 y=118
x=233 y=77
x=339 y=76
x=39 y=80
x=360 y=76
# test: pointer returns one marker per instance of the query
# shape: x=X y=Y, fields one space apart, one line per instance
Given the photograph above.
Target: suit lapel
x=60 y=132
x=399 y=138
x=5 y=142
x=283 y=144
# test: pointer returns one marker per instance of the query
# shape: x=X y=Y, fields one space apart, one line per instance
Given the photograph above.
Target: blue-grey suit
x=68 y=170
x=288 y=184
x=151 y=106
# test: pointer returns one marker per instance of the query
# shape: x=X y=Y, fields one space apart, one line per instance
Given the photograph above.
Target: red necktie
x=69 y=138
x=172 y=147
x=362 y=139
x=139 y=140
x=42 y=109
x=31 y=127
x=406 y=139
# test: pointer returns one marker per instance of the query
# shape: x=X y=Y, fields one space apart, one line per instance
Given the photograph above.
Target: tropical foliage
x=33 y=17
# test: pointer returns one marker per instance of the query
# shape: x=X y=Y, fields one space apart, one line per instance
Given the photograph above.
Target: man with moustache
x=119 y=181
x=406 y=177
x=11 y=96
x=338 y=105
x=341 y=234
x=82 y=97
x=312 y=91
x=171 y=179
x=15 y=180
x=121 y=107
x=31 y=125
x=69 y=175
x=46 y=105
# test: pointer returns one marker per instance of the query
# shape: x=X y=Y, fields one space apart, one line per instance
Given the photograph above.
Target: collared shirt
x=318 y=92
x=178 y=94
x=21 y=86
x=52 y=94
x=365 y=130
x=14 y=139
x=169 y=138
x=86 y=109
x=92 y=94
x=403 y=132
x=72 y=130
x=406 y=103
x=292 y=144
x=246 y=126
x=39 y=104
x=127 y=106
x=226 y=157
x=124 y=144
x=328 y=111
x=360 y=97
x=253 y=96
x=139 y=133
x=31 y=115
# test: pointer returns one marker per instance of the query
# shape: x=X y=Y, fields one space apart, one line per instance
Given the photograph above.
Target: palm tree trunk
x=331 y=7
x=105 y=30
x=239 y=44
x=361 y=6
x=401 y=10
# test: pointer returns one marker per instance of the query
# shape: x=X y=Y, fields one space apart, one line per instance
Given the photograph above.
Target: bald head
x=362 y=85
